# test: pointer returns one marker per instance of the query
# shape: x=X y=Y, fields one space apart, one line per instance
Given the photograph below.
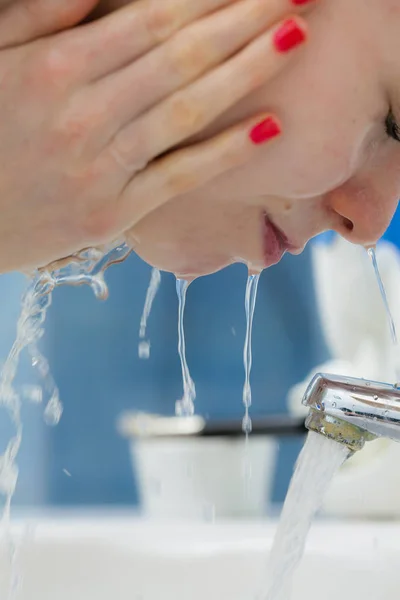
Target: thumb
x=23 y=21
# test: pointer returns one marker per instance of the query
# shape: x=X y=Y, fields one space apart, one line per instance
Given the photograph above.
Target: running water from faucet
x=318 y=462
x=144 y=345
x=249 y=304
x=185 y=406
x=392 y=327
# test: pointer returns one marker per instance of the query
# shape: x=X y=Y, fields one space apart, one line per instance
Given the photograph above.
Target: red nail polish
x=300 y=2
x=289 y=35
x=264 y=131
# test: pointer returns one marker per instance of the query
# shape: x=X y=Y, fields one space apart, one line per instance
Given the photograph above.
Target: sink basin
x=133 y=559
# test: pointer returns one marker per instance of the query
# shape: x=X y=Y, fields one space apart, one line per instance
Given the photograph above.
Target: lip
x=276 y=244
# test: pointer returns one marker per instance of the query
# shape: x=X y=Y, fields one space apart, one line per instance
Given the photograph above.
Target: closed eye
x=392 y=127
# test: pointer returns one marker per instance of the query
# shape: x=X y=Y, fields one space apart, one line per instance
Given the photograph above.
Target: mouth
x=276 y=244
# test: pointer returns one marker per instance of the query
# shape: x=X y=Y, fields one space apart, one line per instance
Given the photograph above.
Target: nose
x=362 y=210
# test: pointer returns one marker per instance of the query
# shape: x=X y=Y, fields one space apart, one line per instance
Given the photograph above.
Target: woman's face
x=334 y=167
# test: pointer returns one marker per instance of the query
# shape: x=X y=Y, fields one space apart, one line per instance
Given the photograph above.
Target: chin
x=182 y=264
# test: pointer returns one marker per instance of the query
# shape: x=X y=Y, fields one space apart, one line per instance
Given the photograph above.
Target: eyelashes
x=392 y=127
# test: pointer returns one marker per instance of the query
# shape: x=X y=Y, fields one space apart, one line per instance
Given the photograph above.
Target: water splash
x=35 y=302
x=318 y=462
x=250 y=303
x=85 y=267
x=389 y=315
x=53 y=411
x=144 y=345
x=185 y=406
x=88 y=267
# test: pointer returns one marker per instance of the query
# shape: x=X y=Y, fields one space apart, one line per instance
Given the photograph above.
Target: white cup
x=202 y=477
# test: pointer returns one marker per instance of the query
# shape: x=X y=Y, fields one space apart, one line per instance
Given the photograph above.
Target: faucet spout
x=352 y=411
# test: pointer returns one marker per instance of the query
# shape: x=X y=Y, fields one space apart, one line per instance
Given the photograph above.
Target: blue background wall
x=94 y=359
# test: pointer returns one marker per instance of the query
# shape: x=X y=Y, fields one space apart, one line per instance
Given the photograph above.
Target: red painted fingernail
x=289 y=35
x=300 y=2
x=264 y=131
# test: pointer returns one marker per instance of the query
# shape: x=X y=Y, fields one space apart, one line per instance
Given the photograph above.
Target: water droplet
x=144 y=350
x=376 y=398
x=334 y=404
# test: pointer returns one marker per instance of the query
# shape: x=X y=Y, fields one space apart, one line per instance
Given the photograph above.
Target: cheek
x=325 y=134
x=307 y=165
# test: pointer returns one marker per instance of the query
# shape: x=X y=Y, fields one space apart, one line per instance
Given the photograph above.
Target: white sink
x=128 y=559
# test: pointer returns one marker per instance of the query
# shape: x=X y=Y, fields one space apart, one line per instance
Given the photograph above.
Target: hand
x=85 y=113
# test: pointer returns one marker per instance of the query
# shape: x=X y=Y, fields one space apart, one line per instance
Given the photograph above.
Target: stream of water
x=184 y=406
x=389 y=316
x=86 y=267
x=144 y=344
x=317 y=464
x=249 y=304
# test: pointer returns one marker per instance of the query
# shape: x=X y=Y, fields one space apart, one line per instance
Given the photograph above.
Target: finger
x=191 y=53
x=22 y=21
x=116 y=40
x=191 y=110
x=192 y=167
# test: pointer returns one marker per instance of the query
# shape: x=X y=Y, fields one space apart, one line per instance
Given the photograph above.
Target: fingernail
x=289 y=35
x=264 y=131
x=300 y=2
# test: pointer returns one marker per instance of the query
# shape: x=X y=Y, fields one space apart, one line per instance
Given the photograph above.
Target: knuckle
x=53 y=67
x=232 y=155
x=186 y=114
x=72 y=130
x=179 y=182
x=161 y=20
x=187 y=57
x=129 y=150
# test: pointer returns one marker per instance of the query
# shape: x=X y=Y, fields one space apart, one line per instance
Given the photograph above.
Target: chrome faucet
x=352 y=411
